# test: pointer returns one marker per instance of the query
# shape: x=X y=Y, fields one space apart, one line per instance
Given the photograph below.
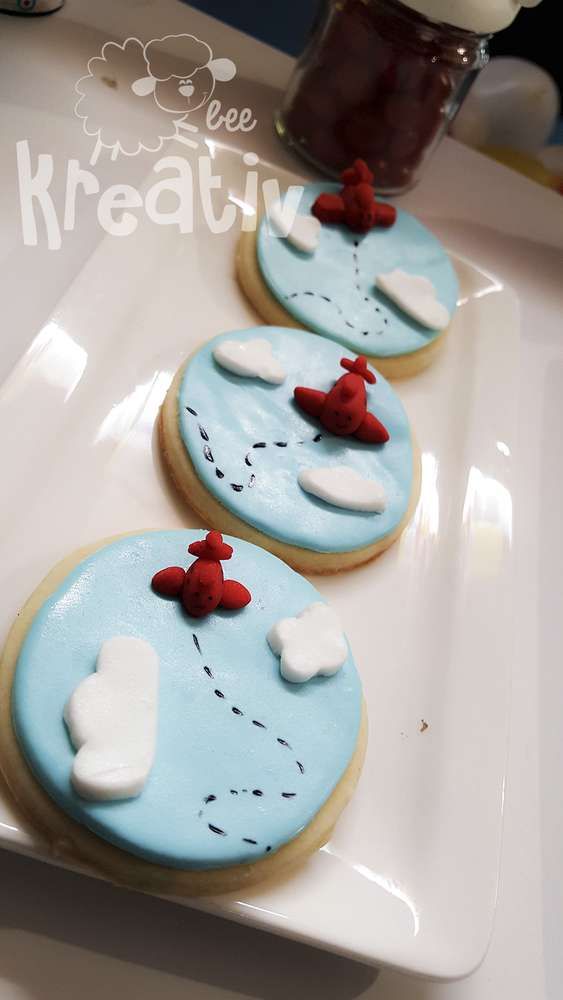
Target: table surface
x=63 y=936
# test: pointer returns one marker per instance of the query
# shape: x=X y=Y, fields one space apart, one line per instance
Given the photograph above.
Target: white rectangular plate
x=409 y=878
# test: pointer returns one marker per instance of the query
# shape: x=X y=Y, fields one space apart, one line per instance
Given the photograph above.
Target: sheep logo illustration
x=170 y=77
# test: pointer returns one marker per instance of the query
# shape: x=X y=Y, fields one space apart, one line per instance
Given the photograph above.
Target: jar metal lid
x=481 y=16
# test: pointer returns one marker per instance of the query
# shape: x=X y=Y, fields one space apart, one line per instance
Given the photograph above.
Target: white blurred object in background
x=513 y=103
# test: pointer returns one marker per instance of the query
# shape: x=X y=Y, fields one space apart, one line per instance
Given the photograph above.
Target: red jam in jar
x=379 y=81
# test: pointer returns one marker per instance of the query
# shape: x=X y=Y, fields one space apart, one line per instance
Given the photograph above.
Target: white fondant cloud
x=112 y=721
x=310 y=644
x=416 y=296
x=251 y=358
x=303 y=233
x=342 y=486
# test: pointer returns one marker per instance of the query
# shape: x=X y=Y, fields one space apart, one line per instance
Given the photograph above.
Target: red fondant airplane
x=355 y=205
x=202 y=587
x=343 y=410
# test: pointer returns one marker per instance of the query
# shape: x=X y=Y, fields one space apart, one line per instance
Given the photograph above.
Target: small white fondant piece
x=416 y=296
x=342 y=486
x=112 y=721
x=313 y=643
x=304 y=232
x=250 y=358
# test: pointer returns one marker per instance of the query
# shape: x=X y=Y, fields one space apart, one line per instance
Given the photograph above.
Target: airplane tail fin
x=359 y=367
x=213 y=548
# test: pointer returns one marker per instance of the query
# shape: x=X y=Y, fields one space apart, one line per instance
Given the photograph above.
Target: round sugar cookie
x=249 y=771
x=332 y=291
x=239 y=448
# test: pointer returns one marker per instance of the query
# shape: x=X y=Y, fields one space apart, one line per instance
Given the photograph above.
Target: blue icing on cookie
x=333 y=290
x=253 y=435
x=287 y=738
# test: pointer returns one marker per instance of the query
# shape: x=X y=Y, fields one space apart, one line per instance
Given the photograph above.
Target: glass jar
x=379 y=81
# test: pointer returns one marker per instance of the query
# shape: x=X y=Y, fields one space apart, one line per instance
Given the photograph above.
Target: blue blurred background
x=284 y=24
